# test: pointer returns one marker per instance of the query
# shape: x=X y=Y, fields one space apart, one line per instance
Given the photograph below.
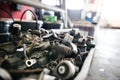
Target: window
x=51 y=2
x=75 y=4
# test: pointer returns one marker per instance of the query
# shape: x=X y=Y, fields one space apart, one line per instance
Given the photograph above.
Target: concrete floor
x=106 y=60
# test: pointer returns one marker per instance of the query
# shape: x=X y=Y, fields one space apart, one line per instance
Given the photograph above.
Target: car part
x=65 y=70
x=44 y=75
x=36 y=50
x=30 y=62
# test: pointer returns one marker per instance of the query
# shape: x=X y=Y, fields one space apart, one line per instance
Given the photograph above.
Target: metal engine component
x=15 y=31
x=44 y=75
x=82 y=44
x=61 y=49
x=42 y=45
x=48 y=77
x=74 y=48
x=4 y=75
x=42 y=58
x=90 y=43
x=68 y=38
x=34 y=51
x=30 y=62
x=65 y=70
x=2 y=55
x=34 y=32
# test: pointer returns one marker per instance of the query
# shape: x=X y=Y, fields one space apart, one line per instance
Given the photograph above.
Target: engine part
x=82 y=44
x=12 y=62
x=65 y=70
x=42 y=58
x=45 y=71
x=45 y=49
x=43 y=45
x=78 y=60
x=4 y=75
x=17 y=27
x=30 y=48
x=34 y=32
x=24 y=49
x=76 y=37
x=68 y=38
x=52 y=65
x=30 y=62
x=51 y=36
x=45 y=75
x=74 y=48
x=90 y=43
x=2 y=55
x=72 y=32
x=15 y=31
x=61 y=49
x=19 y=51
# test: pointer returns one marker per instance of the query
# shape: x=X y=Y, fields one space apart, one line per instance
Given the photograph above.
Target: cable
x=32 y=13
x=7 y=13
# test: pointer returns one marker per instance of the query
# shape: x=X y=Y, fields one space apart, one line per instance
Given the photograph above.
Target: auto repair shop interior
x=59 y=40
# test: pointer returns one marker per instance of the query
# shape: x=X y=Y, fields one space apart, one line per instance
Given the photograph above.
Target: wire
x=32 y=13
x=7 y=13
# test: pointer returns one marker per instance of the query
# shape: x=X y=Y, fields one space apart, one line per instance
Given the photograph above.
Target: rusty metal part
x=8 y=47
x=42 y=58
x=52 y=65
x=3 y=54
x=30 y=62
x=68 y=38
x=61 y=49
x=13 y=71
x=43 y=45
x=45 y=75
x=30 y=48
x=24 y=49
x=36 y=51
x=74 y=48
x=65 y=70
x=35 y=32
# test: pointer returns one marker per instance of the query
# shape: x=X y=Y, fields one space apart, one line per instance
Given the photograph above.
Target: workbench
x=85 y=26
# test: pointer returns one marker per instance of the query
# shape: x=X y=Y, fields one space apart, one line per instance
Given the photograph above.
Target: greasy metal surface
x=34 y=50
x=106 y=61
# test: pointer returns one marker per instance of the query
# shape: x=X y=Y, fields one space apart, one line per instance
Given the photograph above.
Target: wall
x=109 y=11
x=92 y=5
x=74 y=15
x=16 y=14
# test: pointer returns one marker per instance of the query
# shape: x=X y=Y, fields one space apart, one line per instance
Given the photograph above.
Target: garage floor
x=106 y=60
